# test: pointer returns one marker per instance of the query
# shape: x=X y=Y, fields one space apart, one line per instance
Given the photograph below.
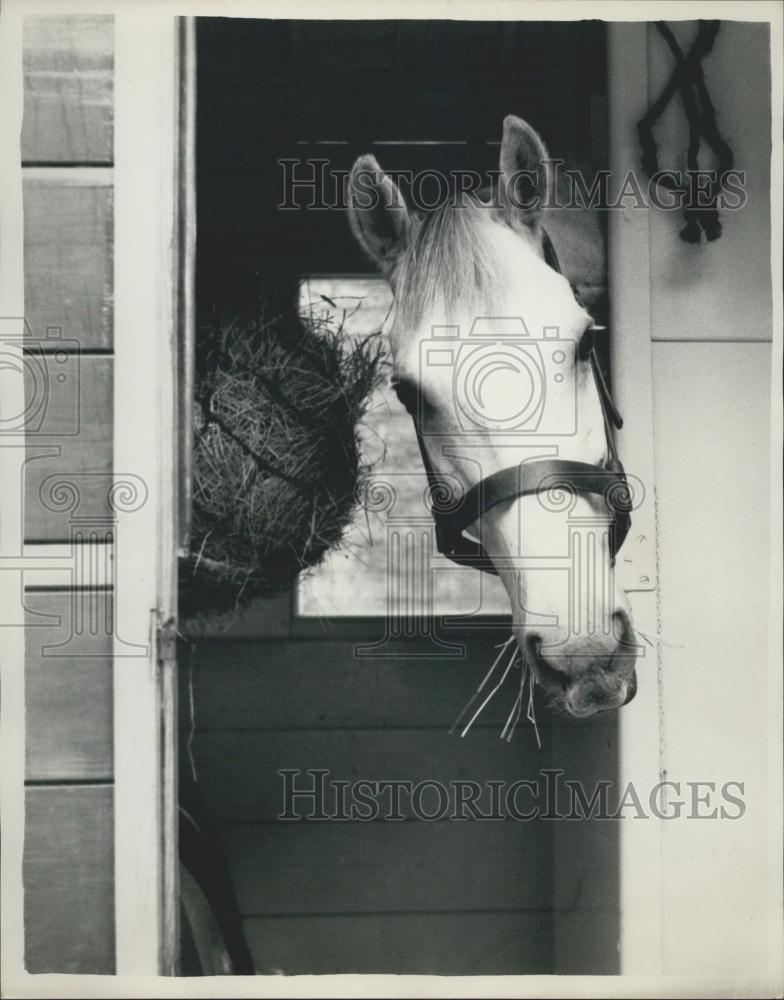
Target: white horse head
x=484 y=345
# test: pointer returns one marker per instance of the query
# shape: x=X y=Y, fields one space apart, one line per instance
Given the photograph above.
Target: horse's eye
x=585 y=345
x=408 y=394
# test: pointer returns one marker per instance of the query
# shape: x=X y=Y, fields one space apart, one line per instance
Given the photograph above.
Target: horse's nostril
x=533 y=644
x=622 y=627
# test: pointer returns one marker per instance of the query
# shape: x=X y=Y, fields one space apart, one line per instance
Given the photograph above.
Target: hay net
x=276 y=463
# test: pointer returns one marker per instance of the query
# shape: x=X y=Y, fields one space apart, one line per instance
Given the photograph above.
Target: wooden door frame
x=153 y=319
x=629 y=285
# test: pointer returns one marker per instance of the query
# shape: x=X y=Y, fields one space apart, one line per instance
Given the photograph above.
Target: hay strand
x=526 y=673
x=493 y=692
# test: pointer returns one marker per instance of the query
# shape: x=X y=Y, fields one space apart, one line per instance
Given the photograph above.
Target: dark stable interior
x=406 y=896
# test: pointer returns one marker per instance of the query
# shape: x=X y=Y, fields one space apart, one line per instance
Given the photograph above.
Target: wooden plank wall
x=446 y=897
x=67 y=144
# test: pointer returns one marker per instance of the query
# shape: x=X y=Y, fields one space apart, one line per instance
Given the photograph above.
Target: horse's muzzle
x=586 y=684
x=599 y=691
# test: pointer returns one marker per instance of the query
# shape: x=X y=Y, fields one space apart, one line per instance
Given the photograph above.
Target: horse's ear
x=376 y=211
x=525 y=176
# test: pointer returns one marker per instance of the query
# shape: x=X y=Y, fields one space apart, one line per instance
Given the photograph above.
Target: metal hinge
x=166 y=640
x=636 y=564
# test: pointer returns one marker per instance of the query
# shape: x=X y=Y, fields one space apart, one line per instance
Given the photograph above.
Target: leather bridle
x=541 y=476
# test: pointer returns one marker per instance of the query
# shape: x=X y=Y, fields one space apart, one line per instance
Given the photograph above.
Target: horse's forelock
x=450 y=261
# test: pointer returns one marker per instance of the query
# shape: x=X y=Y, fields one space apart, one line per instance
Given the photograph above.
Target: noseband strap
x=553 y=480
x=550 y=479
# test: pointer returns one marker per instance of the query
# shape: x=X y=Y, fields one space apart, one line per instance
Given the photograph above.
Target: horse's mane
x=449 y=262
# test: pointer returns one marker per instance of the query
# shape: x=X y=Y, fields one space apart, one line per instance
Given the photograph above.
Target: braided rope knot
x=688 y=79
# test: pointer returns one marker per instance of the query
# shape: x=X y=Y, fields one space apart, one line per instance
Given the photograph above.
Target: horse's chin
x=589 y=696
x=591 y=689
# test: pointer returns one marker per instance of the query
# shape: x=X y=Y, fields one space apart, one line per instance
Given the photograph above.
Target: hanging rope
x=689 y=80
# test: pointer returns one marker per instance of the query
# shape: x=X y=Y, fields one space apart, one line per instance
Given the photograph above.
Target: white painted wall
x=711 y=407
x=711 y=330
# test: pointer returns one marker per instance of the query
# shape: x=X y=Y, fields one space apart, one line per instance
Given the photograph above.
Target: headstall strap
x=540 y=476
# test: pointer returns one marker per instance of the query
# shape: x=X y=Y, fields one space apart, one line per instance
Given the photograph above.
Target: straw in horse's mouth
x=515 y=660
x=552 y=680
x=534 y=669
